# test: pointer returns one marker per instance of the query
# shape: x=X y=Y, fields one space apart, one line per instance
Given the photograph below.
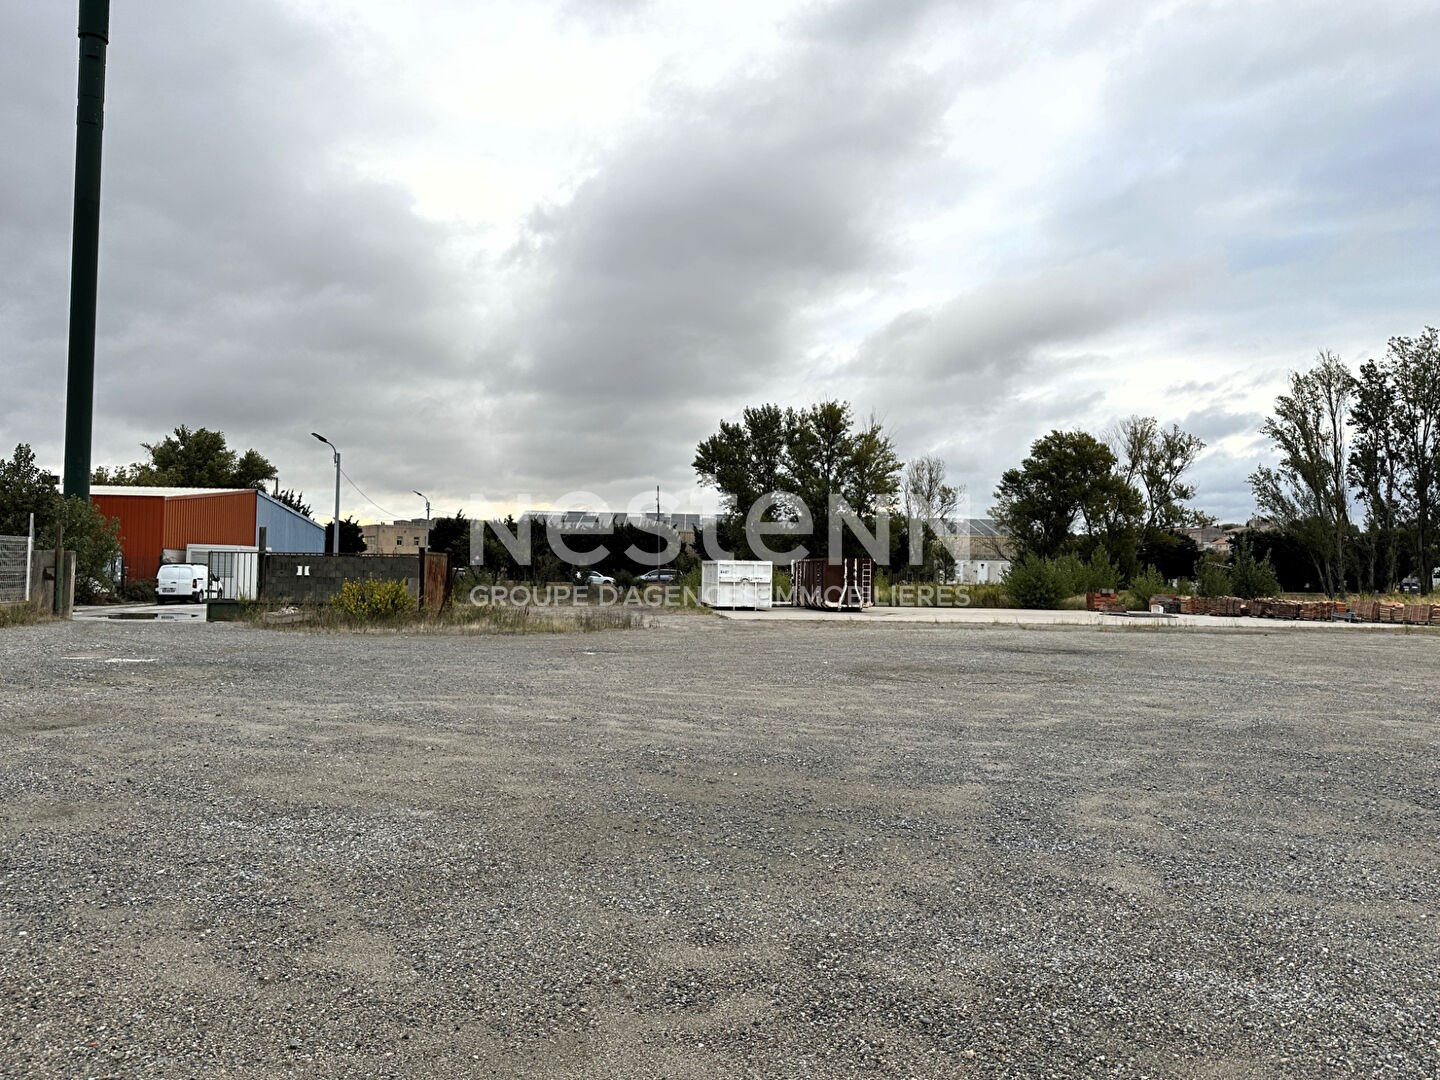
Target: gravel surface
x=714 y=849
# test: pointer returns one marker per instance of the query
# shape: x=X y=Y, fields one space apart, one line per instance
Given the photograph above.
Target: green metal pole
x=85 y=245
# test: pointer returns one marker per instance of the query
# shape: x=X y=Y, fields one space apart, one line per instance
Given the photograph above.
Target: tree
x=25 y=489
x=93 y=537
x=1154 y=459
x=929 y=502
x=1375 y=468
x=814 y=458
x=1069 y=481
x=295 y=500
x=451 y=535
x=1415 y=368
x=1308 y=493
x=352 y=540
x=191 y=458
x=1251 y=577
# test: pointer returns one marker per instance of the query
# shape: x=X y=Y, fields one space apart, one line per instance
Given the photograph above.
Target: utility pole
x=335 y=544
x=85 y=246
x=427 y=516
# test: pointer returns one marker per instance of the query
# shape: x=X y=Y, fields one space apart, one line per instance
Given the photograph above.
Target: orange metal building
x=142 y=530
x=155 y=521
x=218 y=517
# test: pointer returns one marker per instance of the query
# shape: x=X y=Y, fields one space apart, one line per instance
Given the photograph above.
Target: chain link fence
x=15 y=554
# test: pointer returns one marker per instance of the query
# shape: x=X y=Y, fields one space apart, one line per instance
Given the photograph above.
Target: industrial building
x=162 y=524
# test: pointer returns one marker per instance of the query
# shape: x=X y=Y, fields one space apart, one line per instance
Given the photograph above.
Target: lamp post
x=427 y=516
x=335 y=549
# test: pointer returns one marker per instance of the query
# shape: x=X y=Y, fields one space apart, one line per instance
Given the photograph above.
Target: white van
x=184 y=581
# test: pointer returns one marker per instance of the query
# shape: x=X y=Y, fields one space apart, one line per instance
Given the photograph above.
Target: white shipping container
x=737 y=583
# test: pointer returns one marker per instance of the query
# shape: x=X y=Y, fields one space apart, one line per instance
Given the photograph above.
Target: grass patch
x=22 y=615
x=456 y=619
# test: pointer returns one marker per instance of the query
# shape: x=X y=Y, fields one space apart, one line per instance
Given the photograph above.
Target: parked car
x=660 y=574
x=594 y=577
x=185 y=581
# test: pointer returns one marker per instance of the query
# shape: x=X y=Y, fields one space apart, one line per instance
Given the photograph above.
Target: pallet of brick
x=1229 y=606
x=1389 y=613
x=1103 y=600
x=1416 y=615
x=1187 y=605
x=1435 y=614
x=1364 y=610
x=1167 y=603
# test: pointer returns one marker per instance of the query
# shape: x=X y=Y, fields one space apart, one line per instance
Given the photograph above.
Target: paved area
x=170 y=612
x=717 y=849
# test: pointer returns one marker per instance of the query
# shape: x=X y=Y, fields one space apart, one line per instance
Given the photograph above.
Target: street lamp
x=427 y=516
x=335 y=543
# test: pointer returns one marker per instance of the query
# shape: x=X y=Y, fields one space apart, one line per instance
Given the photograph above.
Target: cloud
x=980 y=221
x=677 y=278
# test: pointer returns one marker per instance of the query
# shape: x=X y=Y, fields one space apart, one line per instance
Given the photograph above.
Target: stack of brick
x=1230 y=606
x=1166 y=603
x=1103 y=600
x=1282 y=609
x=1417 y=614
x=1364 y=610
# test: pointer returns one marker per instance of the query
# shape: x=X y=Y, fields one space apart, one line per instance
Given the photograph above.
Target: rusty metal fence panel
x=435 y=580
x=847 y=585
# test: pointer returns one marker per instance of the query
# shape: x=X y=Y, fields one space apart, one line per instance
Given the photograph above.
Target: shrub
x=1251 y=577
x=1214 y=579
x=370 y=600
x=1033 y=582
x=138 y=592
x=1143 y=586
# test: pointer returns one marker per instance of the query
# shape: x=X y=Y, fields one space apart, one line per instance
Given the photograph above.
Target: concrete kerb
x=1027 y=618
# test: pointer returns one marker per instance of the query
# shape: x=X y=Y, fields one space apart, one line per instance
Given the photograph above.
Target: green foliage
x=352 y=540
x=989 y=595
x=25 y=489
x=189 y=457
x=1155 y=459
x=1079 y=576
x=1214 y=579
x=1251 y=577
x=295 y=500
x=813 y=457
x=1035 y=582
x=1143 y=586
x=1309 y=493
x=94 y=538
x=371 y=600
x=1070 y=479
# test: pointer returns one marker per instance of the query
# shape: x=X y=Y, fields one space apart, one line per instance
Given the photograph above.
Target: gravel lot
x=716 y=849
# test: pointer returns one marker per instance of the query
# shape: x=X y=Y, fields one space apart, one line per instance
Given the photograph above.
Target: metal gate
x=235 y=572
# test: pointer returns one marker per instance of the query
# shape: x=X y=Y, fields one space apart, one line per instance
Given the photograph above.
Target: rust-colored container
x=221 y=517
x=847 y=585
x=142 y=525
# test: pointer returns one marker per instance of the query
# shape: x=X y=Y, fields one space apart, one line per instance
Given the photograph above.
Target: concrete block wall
x=314 y=579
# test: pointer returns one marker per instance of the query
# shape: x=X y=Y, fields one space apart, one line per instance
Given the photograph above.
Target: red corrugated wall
x=142 y=527
x=227 y=517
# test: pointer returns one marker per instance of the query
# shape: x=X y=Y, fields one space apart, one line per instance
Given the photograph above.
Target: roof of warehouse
x=152 y=492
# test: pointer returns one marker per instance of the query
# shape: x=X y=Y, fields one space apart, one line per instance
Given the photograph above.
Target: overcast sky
x=511 y=251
